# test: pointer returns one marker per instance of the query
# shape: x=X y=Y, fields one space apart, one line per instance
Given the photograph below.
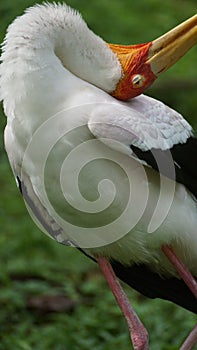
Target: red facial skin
x=133 y=59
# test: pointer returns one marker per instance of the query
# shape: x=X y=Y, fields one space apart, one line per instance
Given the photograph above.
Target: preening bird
x=101 y=166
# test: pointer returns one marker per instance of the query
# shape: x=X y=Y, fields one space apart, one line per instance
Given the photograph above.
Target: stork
x=101 y=166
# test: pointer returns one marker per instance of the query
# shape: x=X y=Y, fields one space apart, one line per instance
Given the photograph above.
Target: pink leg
x=138 y=332
x=191 y=340
x=181 y=269
x=190 y=281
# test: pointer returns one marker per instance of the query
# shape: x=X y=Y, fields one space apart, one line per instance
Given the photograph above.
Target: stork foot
x=138 y=333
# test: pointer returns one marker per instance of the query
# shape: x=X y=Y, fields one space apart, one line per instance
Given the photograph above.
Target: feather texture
x=87 y=164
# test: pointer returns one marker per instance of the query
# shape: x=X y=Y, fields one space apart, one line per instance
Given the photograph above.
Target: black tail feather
x=152 y=285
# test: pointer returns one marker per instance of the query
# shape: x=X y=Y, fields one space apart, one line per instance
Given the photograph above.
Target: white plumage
x=40 y=78
x=106 y=176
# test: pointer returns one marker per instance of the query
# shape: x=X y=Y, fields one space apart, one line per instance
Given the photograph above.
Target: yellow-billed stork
x=100 y=167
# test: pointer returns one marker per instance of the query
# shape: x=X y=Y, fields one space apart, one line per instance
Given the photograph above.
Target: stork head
x=142 y=64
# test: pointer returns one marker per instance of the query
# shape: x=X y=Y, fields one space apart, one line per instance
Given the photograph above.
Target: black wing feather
x=140 y=277
x=152 y=285
x=184 y=156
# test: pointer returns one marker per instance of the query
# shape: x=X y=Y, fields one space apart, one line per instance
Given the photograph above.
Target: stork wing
x=139 y=127
x=156 y=135
x=183 y=154
x=38 y=212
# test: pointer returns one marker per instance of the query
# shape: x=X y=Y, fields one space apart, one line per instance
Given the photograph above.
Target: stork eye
x=138 y=80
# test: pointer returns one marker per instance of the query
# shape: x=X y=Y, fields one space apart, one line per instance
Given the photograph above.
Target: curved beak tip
x=170 y=47
x=142 y=64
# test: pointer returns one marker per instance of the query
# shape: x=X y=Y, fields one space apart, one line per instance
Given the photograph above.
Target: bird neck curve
x=51 y=33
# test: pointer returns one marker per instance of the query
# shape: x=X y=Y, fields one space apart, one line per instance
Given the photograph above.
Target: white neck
x=49 y=36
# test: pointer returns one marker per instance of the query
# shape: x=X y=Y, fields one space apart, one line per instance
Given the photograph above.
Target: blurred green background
x=51 y=296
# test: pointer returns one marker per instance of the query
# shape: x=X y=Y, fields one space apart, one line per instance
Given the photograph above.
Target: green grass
x=33 y=266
